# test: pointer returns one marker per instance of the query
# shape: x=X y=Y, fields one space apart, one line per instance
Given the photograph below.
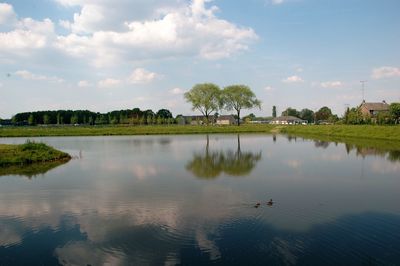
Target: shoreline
x=372 y=132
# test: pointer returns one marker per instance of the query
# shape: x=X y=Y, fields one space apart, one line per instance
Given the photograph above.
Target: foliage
x=205 y=97
x=291 y=112
x=164 y=113
x=274 y=111
x=307 y=114
x=238 y=97
x=323 y=114
x=30 y=152
x=394 y=110
x=84 y=117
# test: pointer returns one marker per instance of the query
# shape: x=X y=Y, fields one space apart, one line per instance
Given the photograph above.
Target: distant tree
x=383 y=118
x=307 y=114
x=238 y=97
x=354 y=116
x=164 y=113
x=274 y=111
x=46 y=119
x=323 y=114
x=31 y=120
x=205 y=98
x=291 y=112
x=394 y=110
x=149 y=119
x=74 y=119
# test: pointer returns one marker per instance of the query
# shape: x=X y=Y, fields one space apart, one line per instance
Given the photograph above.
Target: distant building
x=226 y=120
x=194 y=120
x=288 y=120
x=372 y=109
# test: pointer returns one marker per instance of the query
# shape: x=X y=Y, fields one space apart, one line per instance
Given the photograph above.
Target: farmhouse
x=226 y=120
x=288 y=120
x=372 y=109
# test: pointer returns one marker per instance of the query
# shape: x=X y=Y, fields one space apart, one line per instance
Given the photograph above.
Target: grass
x=28 y=153
x=128 y=130
x=371 y=132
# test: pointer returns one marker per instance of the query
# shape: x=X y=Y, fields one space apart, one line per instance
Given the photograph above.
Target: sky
x=105 y=55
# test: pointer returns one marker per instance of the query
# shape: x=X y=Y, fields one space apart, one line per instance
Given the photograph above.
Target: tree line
x=85 y=117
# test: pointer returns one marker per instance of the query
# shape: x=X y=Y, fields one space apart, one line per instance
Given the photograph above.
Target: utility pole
x=363 y=88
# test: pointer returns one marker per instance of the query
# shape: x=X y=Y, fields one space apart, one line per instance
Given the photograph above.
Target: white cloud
x=177 y=91
x=331 y=84
x=108 y=83
x=293 y=79
x=385 y=72
x=269 y=88
x=27 y=34
x=141 y=76
x=24 y=74
x=87 y=21
x=192 y=30
x=84 y=83
x=7 y=14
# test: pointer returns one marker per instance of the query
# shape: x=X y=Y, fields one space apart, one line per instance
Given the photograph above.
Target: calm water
x=190 y=200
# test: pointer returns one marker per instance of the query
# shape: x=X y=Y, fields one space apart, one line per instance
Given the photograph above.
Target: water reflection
x=129 y=201
x=392 y=155
x=211 y=164
x=31 y=170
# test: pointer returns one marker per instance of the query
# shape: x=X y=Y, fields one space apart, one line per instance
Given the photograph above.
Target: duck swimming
x=270 y=202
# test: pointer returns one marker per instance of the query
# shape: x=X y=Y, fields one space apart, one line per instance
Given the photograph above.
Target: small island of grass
x=29 y=153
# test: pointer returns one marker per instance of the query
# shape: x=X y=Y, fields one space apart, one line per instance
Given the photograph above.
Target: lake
x=192 y=200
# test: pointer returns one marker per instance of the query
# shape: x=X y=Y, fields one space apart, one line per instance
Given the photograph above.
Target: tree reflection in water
x=31 y=170
x=211 y=164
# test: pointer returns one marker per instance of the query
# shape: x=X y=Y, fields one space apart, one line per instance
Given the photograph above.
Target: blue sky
x=104 y=55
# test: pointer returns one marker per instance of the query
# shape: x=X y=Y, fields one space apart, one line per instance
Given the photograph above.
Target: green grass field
x=128 y=130
x=391 y=133
x=29 y=153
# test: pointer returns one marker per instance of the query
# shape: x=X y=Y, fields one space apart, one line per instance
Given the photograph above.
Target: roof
x=287 y=118
x=225 y=117
x=382 y=106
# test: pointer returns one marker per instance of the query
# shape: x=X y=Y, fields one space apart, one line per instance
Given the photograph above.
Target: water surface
x=191 y=200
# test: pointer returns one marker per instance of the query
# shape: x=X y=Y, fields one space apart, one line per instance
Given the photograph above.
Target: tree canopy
x=205 y=97
x=238 y=97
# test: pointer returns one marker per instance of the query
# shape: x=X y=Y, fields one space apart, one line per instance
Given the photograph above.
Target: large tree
x=307 y=114
x=205 y=97
x=323 y=114
x=291 y=112
x=238 y=97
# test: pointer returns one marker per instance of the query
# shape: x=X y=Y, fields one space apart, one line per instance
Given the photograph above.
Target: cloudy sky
x=104 y=55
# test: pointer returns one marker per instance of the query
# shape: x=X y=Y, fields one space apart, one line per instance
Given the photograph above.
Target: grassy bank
x=129 y=130
x=342 y=132
x=29 y=153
